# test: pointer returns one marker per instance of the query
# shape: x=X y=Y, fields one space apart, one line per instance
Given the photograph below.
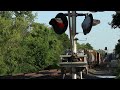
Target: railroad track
x=46 y=74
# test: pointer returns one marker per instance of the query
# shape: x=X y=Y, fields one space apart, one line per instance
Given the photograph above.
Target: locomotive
x=94 y=58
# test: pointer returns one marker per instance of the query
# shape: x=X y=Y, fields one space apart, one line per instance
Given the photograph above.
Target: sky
x=100 y=36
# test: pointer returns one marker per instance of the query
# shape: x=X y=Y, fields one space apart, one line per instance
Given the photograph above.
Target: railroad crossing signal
x=59 y=23
x=87 y=24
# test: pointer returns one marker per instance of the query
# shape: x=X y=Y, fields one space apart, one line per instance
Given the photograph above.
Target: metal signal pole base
x=74 y=75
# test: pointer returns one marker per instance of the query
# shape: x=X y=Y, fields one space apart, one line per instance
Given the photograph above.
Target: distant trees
x=117 y=49
x=115 y=23
x=102 y=52
x=117 y=53
x=84 y=46
x=27 y=46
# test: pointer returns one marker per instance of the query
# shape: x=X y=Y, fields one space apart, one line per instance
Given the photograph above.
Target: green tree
x=84 y=46
x=117 y=52
x=117 y=48
x=28 y=15
x=12 y=33
x=115 y=23
x=9 y=43
x=26 y=46
x=88 y=46
x=6 y=14
x=65 y=41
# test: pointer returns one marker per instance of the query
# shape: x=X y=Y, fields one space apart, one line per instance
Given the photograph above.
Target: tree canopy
x=84 y=46
x=115 y=23
x=27 y=46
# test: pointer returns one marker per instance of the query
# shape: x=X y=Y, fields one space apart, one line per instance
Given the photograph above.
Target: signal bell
x=59 y=23
x=87 y=24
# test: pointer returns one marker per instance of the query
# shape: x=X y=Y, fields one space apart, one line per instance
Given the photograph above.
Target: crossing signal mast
x=60 y=24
